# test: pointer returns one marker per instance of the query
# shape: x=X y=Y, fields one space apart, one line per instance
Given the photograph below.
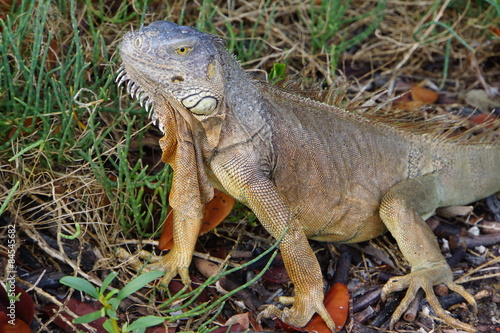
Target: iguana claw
x=300 y=313
x=426 y=278
x=172 y=265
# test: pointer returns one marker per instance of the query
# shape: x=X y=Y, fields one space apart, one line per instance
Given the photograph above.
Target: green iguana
x=313 y=170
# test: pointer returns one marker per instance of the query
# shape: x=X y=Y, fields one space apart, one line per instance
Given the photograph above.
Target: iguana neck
x=243 y=100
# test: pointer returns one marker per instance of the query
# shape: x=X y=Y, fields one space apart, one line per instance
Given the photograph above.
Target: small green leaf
x=145 y=322
x=138 y=283
x=114 y=302
x=107 y=281
x=108 y=326
x=277 y=73
x=76 y=234
x=111 y=314
x=111 y=294
x=80 y=285
x=89 y=317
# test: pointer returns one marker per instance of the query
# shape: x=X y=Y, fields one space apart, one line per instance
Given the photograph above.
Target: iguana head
x=164 y=62
x=176 y=71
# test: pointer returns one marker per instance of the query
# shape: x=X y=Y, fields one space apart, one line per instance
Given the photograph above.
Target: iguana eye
x=183 y=50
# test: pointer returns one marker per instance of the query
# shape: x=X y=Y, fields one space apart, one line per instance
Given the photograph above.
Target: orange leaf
x=337 y=303
x=410 y=105
x=57 y=129
x=28 y=122
x=18 y=326
x=215 y=212
x=483 y=118
x=424 y=95
x=495 y=30
x=52 y=55
x=78 y=121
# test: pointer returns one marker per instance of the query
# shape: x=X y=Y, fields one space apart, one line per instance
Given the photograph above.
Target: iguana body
x=306 y=169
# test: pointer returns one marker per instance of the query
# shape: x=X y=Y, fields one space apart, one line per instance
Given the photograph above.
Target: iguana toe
x=300 y=313
x=426 y=279
x=172 y=266
x=462 y=292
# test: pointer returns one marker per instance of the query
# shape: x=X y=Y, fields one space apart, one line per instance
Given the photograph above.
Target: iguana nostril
x=137 y=42
x=177 y=78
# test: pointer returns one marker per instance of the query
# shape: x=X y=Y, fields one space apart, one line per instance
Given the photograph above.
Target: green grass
x=330 y=20
x=67 y=96
x=111 y=300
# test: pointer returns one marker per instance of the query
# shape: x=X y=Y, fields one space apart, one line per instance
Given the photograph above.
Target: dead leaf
x=423 y=95
x=52 y=55
x=79 y=122
x=241 y=319
x=370 y=249
x=80 y=309
x=18 y=327
x=276 y=274
x=206 y=267
x=337 y=303
x=226 y=329
x=24 y=308
x=28 y=122
x=175 y=286
x=483 y=118
x=480 y=99
x=158 y=329
x=286 y=327
x=419 y=97
x=495 y=31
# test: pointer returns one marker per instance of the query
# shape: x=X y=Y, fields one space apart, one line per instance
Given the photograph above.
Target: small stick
x=411 y=312
x=485 y=240
x=386 y=313
x=367 y=299
x=489 y=227
x=364 y=315
x=342 y=271
x=442 y=229
x=450 y=299
x=441 y=290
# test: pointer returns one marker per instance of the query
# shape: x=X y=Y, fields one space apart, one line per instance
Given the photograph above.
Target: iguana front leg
x=401 y=210
x=178 y=259
x=187 y=203
x=242 y=178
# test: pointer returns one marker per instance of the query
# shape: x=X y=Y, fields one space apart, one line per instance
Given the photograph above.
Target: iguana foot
x=426 y=278
x=300 y=313
x=172 y=265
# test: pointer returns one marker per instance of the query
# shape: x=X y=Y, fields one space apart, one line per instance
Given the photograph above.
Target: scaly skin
x=305 y=168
